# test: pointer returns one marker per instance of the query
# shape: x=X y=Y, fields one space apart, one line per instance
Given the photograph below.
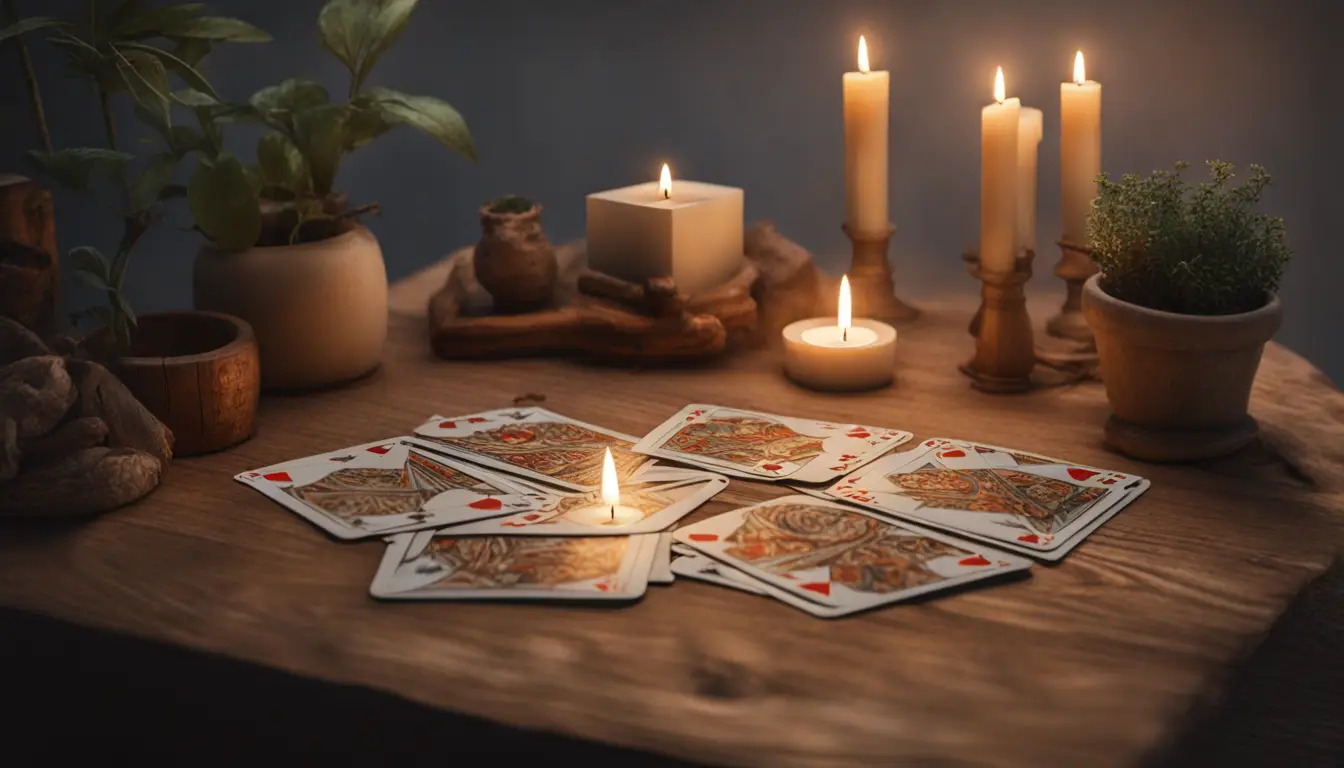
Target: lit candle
x=998 y=180
x=1030 y=127
x=692 y=234
x=1079 y=150
x=841 y=354
x=609 y=511
x=867 y=96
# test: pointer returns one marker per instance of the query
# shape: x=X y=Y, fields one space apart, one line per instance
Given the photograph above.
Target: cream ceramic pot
x=319 y=309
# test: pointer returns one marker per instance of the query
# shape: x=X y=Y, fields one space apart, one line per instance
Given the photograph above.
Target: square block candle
x=690 y=231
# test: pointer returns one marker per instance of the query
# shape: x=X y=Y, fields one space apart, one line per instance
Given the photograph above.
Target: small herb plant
x=293 y=199
x=127 y=48
x=1201 y=250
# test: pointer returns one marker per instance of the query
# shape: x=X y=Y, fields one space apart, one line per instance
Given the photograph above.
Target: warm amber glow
x=665 y=182
x=845 y=317
x=1079 y=72
x=1000 y=93
x=611 y=490
x=863 y=54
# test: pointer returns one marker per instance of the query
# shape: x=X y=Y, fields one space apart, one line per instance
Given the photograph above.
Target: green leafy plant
x=1198 y=250
x=511 y=204
x=138 y=51
x=310 y=135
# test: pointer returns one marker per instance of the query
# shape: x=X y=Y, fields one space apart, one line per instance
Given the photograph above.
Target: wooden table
x=1093 y=662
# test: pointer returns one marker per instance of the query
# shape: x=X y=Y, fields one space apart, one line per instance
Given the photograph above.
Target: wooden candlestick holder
x=1075 y=267
x=874 y=293
x=1005 y=352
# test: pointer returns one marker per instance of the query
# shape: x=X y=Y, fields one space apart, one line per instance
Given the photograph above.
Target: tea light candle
x=610 y=511
x=844 y=355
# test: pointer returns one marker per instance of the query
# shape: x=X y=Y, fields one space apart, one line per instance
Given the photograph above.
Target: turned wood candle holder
x=1075 y=267
x=874 y=292
x=1005 y=352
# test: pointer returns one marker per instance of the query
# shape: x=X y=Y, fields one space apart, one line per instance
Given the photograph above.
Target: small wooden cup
x=197 y=372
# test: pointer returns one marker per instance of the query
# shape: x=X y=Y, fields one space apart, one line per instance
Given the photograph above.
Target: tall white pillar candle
x=998 y=181
x=867 y=96
x=1030 y=128
x=1079 y=150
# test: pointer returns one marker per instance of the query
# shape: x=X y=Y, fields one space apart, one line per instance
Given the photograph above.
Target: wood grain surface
x=1092 y=662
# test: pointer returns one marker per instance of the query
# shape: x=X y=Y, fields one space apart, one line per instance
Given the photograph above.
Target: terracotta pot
x=515 y=262
x=198 y=373
x=319 y=309
x=1178 y=385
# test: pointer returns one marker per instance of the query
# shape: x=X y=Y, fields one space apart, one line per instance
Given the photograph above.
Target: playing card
x=702 y=568
x=533 y=443
x=1022 y=501
x=430 y=565
x=762 y=446
x=833 y=555
x=654 y=499
x=389 y=486
x=661 y=570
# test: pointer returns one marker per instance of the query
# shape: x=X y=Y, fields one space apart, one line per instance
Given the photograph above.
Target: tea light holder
x=840 y=354
x=874 y=289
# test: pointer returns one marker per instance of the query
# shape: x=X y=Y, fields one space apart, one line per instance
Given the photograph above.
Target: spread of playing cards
x=530 y=505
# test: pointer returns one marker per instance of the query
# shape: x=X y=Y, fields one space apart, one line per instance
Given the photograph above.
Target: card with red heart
x=1028 y=505
x=764 y=446
x=533 y=443
x=388 y=486
x=434 y=565
x=651 y=501
x=835 y=559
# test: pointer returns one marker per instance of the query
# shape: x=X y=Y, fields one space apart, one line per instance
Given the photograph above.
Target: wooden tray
x=600 y=317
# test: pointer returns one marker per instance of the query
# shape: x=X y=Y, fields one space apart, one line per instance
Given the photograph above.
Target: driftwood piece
x=35 y=392
x=606 y=319
x=70 y=437
x=87 y=482
x=129 y=424
x=29 y=265
x=18 y=342
x=790 y=285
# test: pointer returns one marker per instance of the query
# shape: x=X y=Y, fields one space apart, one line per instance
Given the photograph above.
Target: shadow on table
x=71 y=692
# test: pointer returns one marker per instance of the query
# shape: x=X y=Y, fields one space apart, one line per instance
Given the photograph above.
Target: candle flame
x=845 y=314
x=1000 y=93
x=863 y=54
x=611 y=489
x=1079 y=72
x=665 y=182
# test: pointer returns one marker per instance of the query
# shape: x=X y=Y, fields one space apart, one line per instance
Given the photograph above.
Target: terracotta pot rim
x=1159 y=329
x=1270 y=306
x=243 y=337
x=356 y=230
x=535 y=210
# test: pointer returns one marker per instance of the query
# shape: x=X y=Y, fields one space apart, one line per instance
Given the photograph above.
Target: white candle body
x=1079 y=155
x=817 y=357
x=1030 y=129
x=998 y=185
x=601 y=514
x=694 y=236
x=867 y=98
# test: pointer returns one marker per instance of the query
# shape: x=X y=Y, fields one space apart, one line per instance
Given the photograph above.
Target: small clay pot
x=514 y=261
x=1178 y=385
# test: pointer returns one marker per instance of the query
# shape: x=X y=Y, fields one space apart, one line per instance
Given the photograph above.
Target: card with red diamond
x=835 y=559
x=764 y=446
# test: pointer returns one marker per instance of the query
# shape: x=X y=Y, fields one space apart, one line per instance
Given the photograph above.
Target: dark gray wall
x=568 y=97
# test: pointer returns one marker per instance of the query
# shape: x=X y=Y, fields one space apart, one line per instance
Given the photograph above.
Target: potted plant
x=195 y=371
x=286 y=250
x=1182 y=307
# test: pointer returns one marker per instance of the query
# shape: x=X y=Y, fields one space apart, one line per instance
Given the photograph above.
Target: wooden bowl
x=199 y=373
